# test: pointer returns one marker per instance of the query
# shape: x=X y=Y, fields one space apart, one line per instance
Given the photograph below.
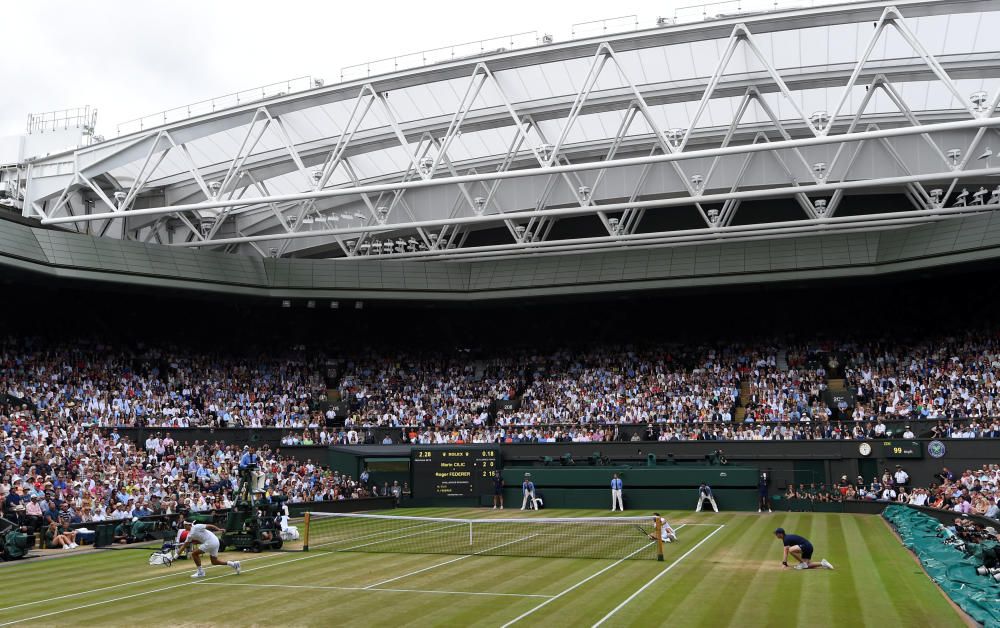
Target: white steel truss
x=657 y=168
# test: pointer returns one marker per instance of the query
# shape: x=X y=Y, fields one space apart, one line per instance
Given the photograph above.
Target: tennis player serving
x=203 y=534
x=800 y=549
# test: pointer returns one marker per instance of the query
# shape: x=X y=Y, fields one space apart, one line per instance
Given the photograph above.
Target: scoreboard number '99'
x=453 y=471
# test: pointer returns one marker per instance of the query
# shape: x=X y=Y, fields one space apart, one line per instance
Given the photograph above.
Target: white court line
x=174 y=586
x=330 y=588
x=175 y=573
x=113 y=586
x=448 y=562
x=578 y=584
x=657 y=577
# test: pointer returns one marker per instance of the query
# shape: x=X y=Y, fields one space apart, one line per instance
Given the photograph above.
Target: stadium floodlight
x=273 y=252
x=285 y=303
x=364 y=247
x=547 y=38
x=664 y=21
x=350 y=244
x=545 y=152
x=322 y=218
x=311 y=304
x=697 y=181
x=120 y=197
x=317 y=174
x=675 y=136
x=713 y=216
x=381 y=213
x=519 y=230
x=986 y=154
x=360 y=215
x=614 y=225
x=936 y=195
x=820 y=119
x=334 y=305
x=960 y=200
x=820 y=206
x=387 y=246
x=335 y=217
x=242 y=174
x=291 y=222
x=819 y=170
x=479 y=204
x=433 y=237
x=995 y=196
x=214 y=187
x=426 y=164
x=584 y=192
x=979 y=196
x=979 y=101
x=954 y=156
x=308 y=220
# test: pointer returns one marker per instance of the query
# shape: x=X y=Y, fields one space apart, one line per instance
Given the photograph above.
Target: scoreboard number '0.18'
x=453 y=472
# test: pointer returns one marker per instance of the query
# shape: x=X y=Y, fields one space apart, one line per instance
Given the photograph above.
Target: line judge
x=616 y=493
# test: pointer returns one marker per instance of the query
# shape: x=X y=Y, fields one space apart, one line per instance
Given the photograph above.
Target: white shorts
x=211 y=546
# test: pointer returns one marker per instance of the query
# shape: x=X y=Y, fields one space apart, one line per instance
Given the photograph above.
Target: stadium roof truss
x=484 y=158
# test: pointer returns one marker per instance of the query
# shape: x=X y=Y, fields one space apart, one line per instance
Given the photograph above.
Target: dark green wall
x=649 y=477
x=636 y=498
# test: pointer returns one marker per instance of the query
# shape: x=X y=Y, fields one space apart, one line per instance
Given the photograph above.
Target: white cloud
x=131 y=58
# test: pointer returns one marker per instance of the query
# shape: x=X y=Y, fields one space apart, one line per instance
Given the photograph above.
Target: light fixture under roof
x=979 y=100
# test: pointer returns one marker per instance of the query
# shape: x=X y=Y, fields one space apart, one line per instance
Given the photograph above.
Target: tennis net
x=585 y=537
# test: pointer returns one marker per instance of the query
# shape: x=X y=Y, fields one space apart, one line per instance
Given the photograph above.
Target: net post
x=470 y=533
x=659 y=539
x=305 y=538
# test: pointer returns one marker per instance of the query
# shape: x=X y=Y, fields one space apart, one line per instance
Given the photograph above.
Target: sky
x=130 y=58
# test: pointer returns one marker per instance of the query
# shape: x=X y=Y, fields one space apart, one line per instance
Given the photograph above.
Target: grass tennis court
x=725 y=570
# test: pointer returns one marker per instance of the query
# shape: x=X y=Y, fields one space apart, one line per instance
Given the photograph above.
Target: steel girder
x=529 y=227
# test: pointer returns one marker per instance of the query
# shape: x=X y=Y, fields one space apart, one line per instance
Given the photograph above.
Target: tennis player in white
x=208 y=543
x=666 y=531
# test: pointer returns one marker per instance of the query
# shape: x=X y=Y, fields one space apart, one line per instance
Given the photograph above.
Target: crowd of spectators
x=971 y=492
x=110 y=385
x=711 y=392
x=56 y=472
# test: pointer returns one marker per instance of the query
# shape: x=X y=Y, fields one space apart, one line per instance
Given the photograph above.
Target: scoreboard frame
x=453 y=472
x=902 y=449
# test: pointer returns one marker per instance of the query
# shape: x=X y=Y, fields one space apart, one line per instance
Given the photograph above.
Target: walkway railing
x=212 y=105
x=440 y=55
x=472 y=49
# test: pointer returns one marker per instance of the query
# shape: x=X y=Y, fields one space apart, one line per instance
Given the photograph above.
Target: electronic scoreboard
x=453 y=471
x=902 y=449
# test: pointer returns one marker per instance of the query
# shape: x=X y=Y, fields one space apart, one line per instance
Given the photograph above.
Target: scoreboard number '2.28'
x=453 y=472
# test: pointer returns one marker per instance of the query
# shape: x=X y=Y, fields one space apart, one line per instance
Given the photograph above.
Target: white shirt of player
x=199 y=534
x=665 y=529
